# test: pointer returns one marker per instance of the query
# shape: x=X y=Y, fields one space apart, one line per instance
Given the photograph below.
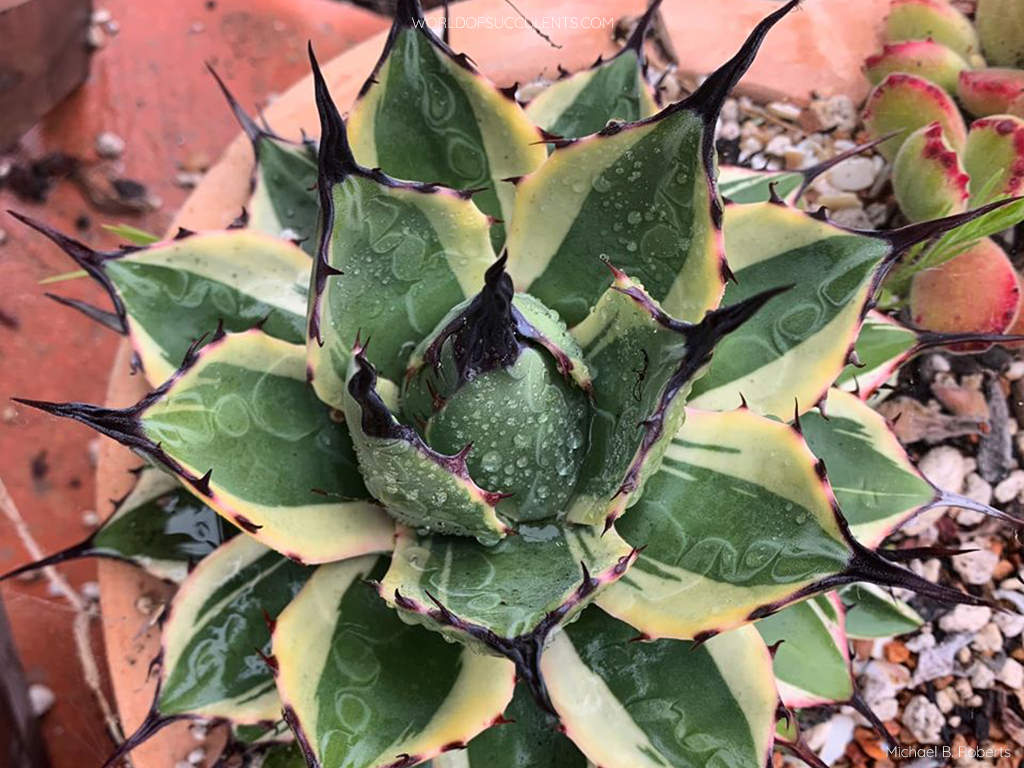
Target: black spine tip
x=708 y=99
x=636 y=40
x=335 y=156
x=248 y=125
x=903 y=239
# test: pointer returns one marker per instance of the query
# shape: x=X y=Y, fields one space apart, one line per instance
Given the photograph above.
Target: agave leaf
x=884 y=344
x=644 y=363
x=363 y=689
x=582 y=103
x=776 y=535
x=427 y=114
x=242 y=429
x=794 y=348
x=419 y=486
x=393 y=258
x=745 y=185
x=216 y=637
x=283 y=198
x=812 y=660
x=633 y=704
x=871 y=612
x=158 y=526
x=742 y=185
x=167 y=295
x=504 y=599
x=585 y=202
x=797 y=348
x=526 y=737
x=877 y=486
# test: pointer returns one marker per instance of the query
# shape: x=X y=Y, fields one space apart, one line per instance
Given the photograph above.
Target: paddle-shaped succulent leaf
x=282 y=199
x=776 y=537
x=440 y=448
x=812 y=661
x=426 y=114
x=631 y=704
x=936 y=20
x=928 y=178
x=167 y=295
x=994 y=158
x=975 y=292
x=992 y=91
x=1000 y=25
x=580 y=104
x=241 y=428
x=361 y=688
x=924 y=58
x=586 y=203
x=871 y=612
x=158 y=526
x=903 y=103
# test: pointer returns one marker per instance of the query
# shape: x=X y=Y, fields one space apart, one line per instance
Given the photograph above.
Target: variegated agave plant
x=441 y=462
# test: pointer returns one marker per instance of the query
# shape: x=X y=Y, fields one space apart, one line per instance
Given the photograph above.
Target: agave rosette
x=508 y=436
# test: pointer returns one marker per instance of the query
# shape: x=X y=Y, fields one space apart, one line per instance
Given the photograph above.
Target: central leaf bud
x=501 y=373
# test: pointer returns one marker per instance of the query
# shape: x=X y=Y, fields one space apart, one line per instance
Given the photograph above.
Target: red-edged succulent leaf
x=924 y=58
x=1000 y=25
x=903 y=102
x=991 y=91
x=927 y=176
x=975 y=292
x=934 y=19
x=994 y=158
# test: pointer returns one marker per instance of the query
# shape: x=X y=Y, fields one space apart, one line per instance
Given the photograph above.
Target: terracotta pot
x=812 y=50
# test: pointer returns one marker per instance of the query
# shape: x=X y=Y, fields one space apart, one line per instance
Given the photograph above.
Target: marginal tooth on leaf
x=335 y=157
x=907 y=554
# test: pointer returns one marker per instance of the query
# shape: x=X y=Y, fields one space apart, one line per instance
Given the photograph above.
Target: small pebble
x=839 y=200
x=976 y=567
x=1010 y=624
x=1011 y=487
x=944 y=700
x=95 y=38
x=188 y=179
x=196 y=756
x=41 y=699
x=784 y=110
x=853 y=175
x=982 y=678
x=101 y=16
x=966 y=618
x=90 y=519
x=1015 y=371
x=1011 y=674
x=91 y=591
x=989 y=639
x=109 y=145
x=923 y=719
